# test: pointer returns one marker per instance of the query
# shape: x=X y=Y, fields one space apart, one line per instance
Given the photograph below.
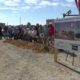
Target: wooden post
x=73 y=59
x=67 y=55
x=56 y=55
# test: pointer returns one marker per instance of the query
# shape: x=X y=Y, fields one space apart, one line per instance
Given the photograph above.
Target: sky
x=34 y=11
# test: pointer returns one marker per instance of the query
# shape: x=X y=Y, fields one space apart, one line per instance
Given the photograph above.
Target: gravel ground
x=22 y=64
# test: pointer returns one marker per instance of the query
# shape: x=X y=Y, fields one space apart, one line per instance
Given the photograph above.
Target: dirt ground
x=23 y=64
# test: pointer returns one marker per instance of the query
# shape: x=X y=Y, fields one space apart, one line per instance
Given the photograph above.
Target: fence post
x=73 y=59
x=55 y=55
x=67 y=55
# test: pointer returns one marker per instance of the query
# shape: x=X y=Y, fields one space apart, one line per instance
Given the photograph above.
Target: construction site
x=41 y=52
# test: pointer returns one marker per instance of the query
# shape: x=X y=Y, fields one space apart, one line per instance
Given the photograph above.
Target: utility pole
x=7 y=23
x=20 y=20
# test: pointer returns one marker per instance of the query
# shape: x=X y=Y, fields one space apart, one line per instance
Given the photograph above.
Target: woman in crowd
x=34 y=34
x=41 y=34
x=46 y=30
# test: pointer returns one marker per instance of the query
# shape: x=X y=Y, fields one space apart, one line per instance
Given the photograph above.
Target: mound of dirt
x=39 y=48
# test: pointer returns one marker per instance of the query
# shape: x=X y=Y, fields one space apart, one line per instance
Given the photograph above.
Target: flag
x=78 y=5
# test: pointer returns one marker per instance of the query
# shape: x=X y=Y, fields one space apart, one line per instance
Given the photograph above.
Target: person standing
x=6 y=34
x=34 y=34
x=37 y=33
x=51 y=34
x=0 y=32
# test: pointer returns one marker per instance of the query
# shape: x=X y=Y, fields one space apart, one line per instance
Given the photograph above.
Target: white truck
x=67 y=33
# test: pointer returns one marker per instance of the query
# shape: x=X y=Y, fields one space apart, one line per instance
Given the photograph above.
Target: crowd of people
x=39 y=34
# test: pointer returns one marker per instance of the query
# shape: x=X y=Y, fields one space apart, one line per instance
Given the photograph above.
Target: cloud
x=43 y=3
x=2 y=1
x=29 y=4
x=10 y=2
x=48 y=3
x=66 y=5
x=25 y=7
x=69 y=0
x=3 y=8
x=31 y=1
x=37 y=7
x=54 y=3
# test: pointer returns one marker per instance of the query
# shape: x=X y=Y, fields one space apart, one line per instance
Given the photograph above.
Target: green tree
x=37 y=25
x=29 y=24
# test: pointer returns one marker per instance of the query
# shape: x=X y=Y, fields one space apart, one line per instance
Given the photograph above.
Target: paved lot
x=23 y=64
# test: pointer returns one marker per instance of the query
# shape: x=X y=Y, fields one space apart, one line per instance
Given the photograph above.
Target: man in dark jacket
x=0 y=32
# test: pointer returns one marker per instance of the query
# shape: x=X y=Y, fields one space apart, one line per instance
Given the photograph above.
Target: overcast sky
x=34 y=11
